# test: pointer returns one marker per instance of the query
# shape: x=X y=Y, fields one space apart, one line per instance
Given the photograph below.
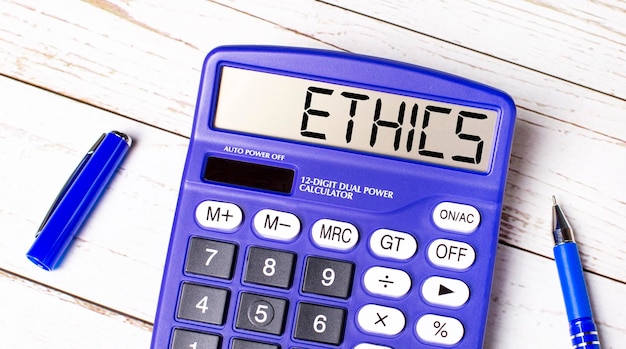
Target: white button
x=370 y=346
x=377 y=319
x=387 y=282
x=393 y=244
x=276 y=225
x=444 y=291
x=218 y=215
x=451 y=254
x=439 y=329
x=334 y=235
x=459 y=218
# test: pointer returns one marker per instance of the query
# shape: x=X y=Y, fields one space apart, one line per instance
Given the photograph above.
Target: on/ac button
x=455 y=217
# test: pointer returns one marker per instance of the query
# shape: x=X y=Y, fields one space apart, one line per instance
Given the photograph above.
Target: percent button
x=439 y=329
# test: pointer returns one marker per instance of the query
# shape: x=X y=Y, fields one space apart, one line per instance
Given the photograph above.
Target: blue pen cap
x=77 y=198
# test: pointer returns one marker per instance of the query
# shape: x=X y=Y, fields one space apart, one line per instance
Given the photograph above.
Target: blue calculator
x=332 y=200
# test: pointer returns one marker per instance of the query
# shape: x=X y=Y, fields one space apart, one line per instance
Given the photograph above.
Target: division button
x=334 y=235
x=387 y=282
x=445 y=291
x=439 y=329
x=217 y=215
x=455 y=217
x=377 y=319
x=451 y=254
x=393 y=244
x=276 y=225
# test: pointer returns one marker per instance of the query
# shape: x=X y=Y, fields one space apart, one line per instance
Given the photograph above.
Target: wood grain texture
x=583 y=42
x=134 y=65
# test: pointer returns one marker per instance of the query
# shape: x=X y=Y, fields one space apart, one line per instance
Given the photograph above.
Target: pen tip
x=554 y=200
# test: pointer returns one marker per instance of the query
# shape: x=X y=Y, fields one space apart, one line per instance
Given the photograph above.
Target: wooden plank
x=34 y=316
x=582 y=42
x=527 y=306
x=123 y=244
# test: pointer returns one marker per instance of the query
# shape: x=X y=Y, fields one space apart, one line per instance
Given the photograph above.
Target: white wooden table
x=70 y=70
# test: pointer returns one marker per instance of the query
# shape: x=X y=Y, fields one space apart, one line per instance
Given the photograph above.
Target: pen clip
x=69 y=183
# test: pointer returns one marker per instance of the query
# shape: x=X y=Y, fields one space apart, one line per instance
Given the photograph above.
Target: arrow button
x=444 y=290
x=448 y=292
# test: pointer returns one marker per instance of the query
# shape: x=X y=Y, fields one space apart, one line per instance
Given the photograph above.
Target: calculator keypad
x=318 y=321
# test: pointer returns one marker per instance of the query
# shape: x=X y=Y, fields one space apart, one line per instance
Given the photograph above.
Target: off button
x=451 y=254
x=455 y=217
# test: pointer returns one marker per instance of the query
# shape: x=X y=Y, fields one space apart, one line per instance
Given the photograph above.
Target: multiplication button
x=378 y=319
x=439 y=329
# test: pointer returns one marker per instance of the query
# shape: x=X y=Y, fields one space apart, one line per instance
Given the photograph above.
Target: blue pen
x=582 y=328
x=77 y=198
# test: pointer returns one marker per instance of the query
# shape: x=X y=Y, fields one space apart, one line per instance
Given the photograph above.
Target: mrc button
x=455 y=217
x=334 y=235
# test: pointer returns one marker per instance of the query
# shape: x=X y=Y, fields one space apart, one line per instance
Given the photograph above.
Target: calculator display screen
x=356 y=119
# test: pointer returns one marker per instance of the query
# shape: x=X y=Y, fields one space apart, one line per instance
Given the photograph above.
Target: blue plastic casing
x=417 y=189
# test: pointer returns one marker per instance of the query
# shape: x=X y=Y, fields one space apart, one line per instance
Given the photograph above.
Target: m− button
x=276 y=225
